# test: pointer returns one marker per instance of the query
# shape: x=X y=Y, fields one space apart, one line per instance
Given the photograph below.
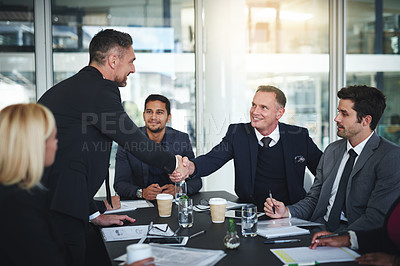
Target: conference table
x=252 y=251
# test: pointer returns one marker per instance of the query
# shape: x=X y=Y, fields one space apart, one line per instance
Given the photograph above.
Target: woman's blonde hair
x=24 y=129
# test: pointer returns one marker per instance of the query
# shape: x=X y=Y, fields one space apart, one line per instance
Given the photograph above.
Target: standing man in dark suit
x=268 y=155
x=137 y=180
x=358 y=177
x=89 y=116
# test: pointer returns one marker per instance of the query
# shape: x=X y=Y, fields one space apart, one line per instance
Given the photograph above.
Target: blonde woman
x=28 y=143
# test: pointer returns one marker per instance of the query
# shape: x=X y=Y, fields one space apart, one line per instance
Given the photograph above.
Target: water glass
x=249 y=220
x=185 y=212
x=180 y=190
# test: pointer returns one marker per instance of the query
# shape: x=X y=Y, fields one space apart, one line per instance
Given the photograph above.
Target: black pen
x=333 y=235
x=270 y=197
x=198 y=233
x=281 y=241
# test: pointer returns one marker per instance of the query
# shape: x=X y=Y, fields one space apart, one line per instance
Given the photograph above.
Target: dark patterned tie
x=266 y=141
x=340 y=199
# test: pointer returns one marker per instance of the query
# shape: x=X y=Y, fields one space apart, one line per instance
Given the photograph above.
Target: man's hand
x=109 y=219
x=116 y=202
x=144 y=262
x=376 y=259
x=336 y=241
x=281 y=211
x=151 y=192
x=169 y=189
x=182 y=171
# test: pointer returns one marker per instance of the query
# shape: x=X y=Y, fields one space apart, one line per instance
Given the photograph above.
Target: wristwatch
x=139 y=193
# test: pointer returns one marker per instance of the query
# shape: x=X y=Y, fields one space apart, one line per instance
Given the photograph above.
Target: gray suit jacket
x=373 y=186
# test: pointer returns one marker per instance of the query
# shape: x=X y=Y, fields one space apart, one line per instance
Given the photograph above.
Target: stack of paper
x=282 y=231
x=134 y=232
x=229 y=205
x=305 y=255
x=285 y=222
x=168 y=256
x=131 y=205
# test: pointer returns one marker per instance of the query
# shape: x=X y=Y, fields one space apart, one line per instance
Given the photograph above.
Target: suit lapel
x=253 y=150
x=367 y=152
x=285 y=149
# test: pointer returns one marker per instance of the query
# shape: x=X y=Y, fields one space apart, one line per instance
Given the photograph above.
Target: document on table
x=167 y=256
x=134 y=232
x=285 y=222
x=229 y=205
x=281 y=231
x=320 y=254
x=130 y=205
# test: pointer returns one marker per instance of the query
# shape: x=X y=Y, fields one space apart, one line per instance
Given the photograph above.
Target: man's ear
x=112 y=60
x=280 y=113
x=169 y=118
x=366 y=121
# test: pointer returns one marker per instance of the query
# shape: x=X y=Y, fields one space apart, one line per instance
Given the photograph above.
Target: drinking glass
x=185 y=212
x=180 y=190
x=249 y=220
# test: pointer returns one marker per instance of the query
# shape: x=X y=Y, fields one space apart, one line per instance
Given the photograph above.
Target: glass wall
x=17 y=57
x=163 y=40
x=253 y=42
x=373 y=55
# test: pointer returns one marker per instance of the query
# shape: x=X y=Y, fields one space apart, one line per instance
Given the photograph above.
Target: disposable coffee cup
x=164 y=203
x=217 y=207
x=136 y=252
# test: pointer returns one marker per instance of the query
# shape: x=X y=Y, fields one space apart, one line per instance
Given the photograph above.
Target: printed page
x=130 y=205
x=281 y=231
x=320 y=255
x=134 y=232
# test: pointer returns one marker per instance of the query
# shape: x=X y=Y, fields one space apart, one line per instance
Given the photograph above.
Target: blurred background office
x=209 y=56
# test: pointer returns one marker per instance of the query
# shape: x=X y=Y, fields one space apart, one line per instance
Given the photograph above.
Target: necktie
x=266 y=141
x=108 y=191
x=340 y=199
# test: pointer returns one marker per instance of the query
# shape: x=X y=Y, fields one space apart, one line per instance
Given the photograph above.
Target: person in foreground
x=381 y=246
x=344 y=197
x=268 y=155
x=89 y=115
x=137 y=180
x=29 y=143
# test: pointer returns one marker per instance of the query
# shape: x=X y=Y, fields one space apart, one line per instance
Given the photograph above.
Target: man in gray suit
x=344 y=197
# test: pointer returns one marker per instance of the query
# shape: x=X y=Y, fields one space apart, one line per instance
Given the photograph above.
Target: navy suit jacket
x=132 y=174
x=241 y=145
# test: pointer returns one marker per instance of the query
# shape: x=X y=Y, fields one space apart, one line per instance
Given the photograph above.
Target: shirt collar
x=359 y=148
x=275 y=136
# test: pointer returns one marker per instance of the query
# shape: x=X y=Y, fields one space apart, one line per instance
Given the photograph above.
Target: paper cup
x=164 y=203
x=136 y=252
x=218 y=208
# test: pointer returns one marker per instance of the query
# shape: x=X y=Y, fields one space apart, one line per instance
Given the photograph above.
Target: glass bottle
x=231 y=240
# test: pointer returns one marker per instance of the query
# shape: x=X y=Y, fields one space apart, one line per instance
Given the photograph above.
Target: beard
x=155 y=130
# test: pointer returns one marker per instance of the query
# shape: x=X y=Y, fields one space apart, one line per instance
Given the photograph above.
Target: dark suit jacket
x=241 y=145
x=132 y=174
x=379 y=240
x=373 y=186
x=89 y=116
x=27 y=235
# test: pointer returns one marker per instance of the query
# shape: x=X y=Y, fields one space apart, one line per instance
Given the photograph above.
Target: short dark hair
x=161 y=98
x=279 y=95
x=104 y=41
x=367 y=101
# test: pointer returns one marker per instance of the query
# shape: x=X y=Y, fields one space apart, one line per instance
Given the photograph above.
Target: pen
x=281 y=241
x=198 y=233
x=270 y=196
x=302 y=263
x=333 y=235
